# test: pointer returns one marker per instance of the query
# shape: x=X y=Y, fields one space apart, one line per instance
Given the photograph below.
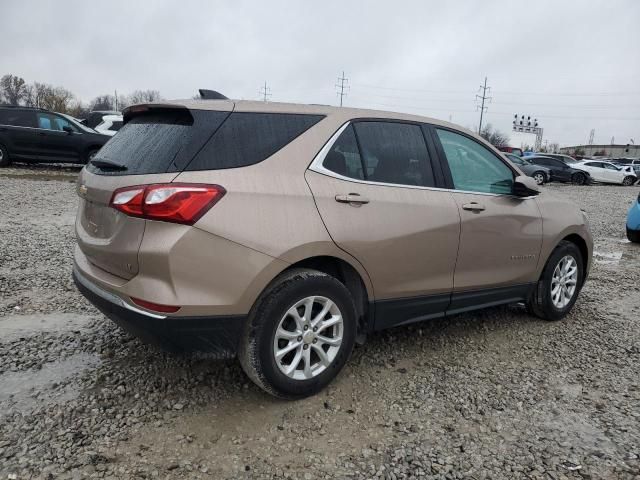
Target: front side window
x=344 y=156
x=394 y=153
x=49 y=121
x=473 y=167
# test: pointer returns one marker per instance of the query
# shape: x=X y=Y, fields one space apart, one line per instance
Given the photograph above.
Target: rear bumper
x=217 y=335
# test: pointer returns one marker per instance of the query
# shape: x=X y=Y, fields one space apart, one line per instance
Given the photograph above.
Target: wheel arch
x=582 y=246
x=349 y=276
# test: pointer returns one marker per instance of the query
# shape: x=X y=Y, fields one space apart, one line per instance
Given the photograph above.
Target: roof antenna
x=211 y=95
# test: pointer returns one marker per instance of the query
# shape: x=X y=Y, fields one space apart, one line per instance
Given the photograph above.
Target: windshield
x=569 y=160
x=77 y=124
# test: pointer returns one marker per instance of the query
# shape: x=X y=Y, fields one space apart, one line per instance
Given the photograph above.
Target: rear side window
x=159 y=142
x=115 y=126
x=17 y=118
x=249 y=138
x=394 y=153
x=344 y=156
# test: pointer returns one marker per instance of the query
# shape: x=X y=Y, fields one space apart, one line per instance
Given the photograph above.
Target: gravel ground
x=495 y=394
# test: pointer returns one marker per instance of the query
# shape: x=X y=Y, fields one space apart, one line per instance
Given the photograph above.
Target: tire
x=5 y=161
x=271 y=312
x=579 y=178
x=90 y=154
x=628 y=181
x=542 y=303
x=633 y=235
x=539 y=177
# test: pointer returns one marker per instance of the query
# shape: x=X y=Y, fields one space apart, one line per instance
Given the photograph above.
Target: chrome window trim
x=318 y=167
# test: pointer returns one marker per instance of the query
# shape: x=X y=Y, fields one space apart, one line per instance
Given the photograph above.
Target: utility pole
x=265 y=92
x=591 y=135
x=483 y=97
x=342 y=86
x=116 y=99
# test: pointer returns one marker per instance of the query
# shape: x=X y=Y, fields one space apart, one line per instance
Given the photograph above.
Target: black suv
x=560 y=171
x=38 y=135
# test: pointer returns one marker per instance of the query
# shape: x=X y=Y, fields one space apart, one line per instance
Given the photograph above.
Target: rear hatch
x=154 y=145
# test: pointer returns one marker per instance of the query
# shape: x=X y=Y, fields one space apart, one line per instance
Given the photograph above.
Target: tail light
x=171 y=202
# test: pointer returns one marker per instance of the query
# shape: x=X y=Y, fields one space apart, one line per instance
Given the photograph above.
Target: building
x=613 y=151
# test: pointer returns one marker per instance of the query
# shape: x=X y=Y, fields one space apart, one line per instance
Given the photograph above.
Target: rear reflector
x=182 y=203
x=156 y=307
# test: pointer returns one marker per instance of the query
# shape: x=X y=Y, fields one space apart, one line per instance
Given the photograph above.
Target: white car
x=110 y=124
x=607 y=172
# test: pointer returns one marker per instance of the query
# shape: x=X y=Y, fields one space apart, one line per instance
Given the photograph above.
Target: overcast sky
x=575 y=65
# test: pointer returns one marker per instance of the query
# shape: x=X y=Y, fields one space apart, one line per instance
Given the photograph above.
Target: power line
x=342 y=86
x=265 y=92
x=559 y=94
x=484 y=97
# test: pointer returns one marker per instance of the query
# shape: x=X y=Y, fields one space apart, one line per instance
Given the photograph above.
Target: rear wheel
x=299 y=334
x=560 y=283
x=539 y=177
x=633 y=235
x=579 y=178
x=5 y=161
x=628 y=181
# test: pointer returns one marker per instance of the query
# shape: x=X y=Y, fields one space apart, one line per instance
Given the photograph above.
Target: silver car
x=539 y=173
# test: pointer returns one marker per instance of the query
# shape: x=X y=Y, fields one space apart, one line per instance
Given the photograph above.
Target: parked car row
x=35 y=134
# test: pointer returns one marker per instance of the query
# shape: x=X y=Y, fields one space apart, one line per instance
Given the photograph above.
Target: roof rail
x=211 y=95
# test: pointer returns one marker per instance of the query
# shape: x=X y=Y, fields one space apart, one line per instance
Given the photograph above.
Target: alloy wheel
x=539 y=178
x=308 y=337
x=564 y=281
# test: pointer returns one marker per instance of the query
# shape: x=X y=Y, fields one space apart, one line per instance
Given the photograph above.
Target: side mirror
x=525 y=186
x=67 y=129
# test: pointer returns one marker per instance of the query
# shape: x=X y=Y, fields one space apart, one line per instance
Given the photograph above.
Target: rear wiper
x=108 y=164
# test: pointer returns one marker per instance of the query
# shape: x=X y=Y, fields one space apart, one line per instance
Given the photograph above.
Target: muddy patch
x=27 y=390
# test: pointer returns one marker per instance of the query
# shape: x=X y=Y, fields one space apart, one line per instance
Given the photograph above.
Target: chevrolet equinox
x=283 y=234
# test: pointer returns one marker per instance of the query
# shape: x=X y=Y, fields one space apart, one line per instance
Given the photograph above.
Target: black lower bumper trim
x=218 y=336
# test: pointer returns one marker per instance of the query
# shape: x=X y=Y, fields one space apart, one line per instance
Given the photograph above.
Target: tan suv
x=286 y=233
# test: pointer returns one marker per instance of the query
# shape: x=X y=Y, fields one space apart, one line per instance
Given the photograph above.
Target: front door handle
x=474 y=207
x=352 y=198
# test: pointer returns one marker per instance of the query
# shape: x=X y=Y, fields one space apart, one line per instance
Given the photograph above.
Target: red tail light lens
x=171 y=202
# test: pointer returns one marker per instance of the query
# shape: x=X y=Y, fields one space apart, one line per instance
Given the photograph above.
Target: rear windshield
x=198 y=140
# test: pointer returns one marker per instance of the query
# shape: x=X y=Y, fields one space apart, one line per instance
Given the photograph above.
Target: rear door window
x=394 y=153
x=344 y=156
x=159 y=141
x=248 y=138
x=17 y=118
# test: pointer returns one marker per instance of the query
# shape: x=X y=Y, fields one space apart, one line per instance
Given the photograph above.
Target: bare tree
x=494 y=137
x=144 y=96
x=103 y=102
x=13 y=89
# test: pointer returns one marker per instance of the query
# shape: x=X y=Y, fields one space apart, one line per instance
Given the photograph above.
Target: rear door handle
x=473 y=206
x=353 y=198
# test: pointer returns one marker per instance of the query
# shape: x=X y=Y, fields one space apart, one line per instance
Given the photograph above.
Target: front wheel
x=539 y=177
x=633 y=235
x=90 y=154
x=561 y=281
x=299 y=334
x=628 y=181
x=579 y=178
